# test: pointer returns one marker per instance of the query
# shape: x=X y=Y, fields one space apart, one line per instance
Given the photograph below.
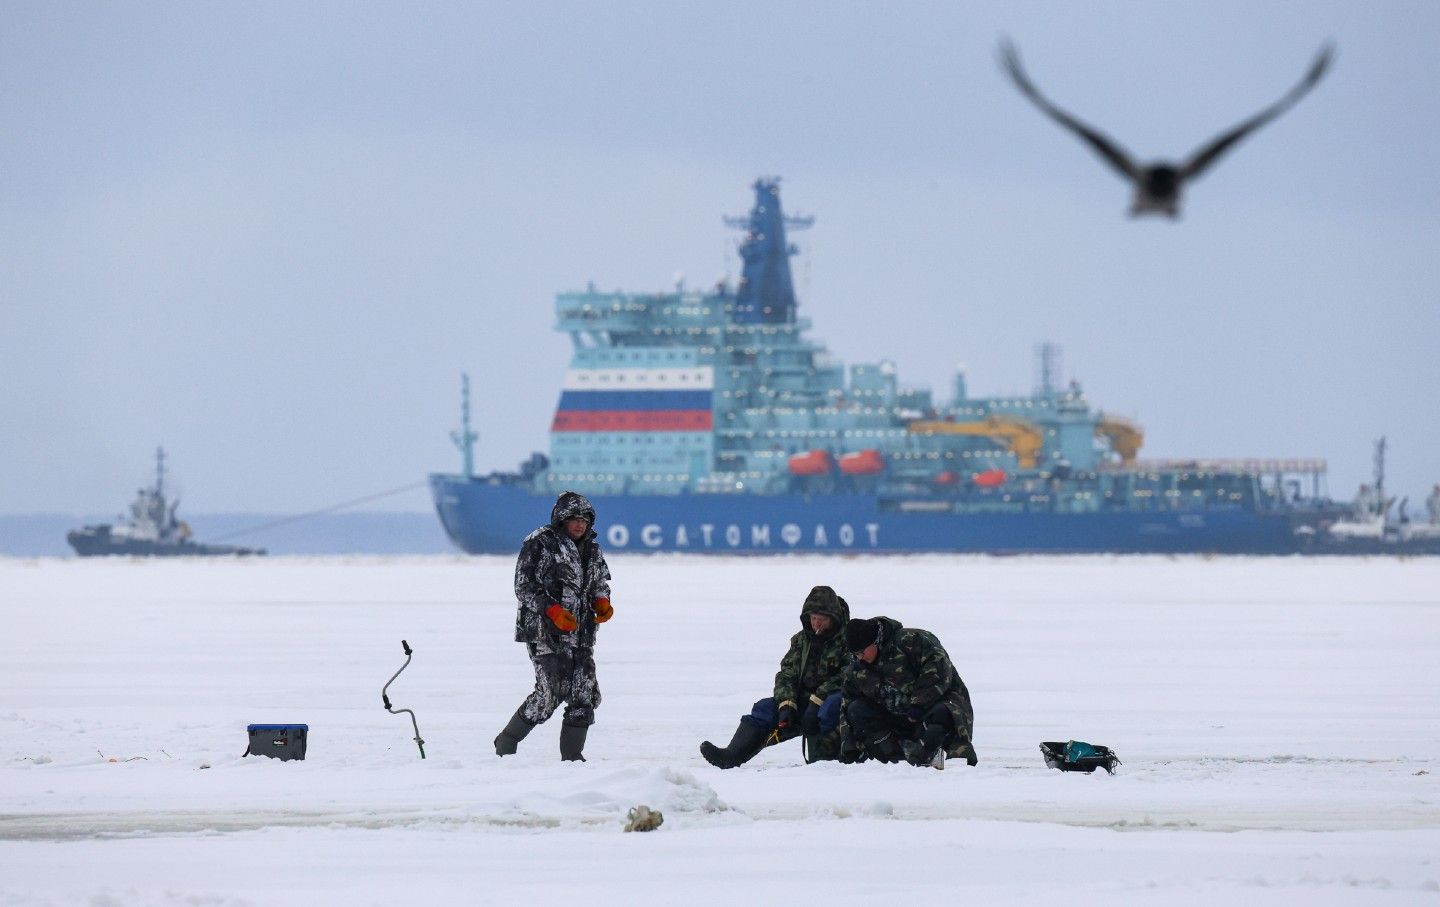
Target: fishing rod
x=385 y=697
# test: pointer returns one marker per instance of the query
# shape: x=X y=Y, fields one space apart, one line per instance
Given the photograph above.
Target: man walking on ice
x=562 y=587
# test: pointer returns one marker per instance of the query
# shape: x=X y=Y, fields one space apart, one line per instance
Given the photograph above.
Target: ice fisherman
x=903 y=698
x=562 y=586
x=806 y=701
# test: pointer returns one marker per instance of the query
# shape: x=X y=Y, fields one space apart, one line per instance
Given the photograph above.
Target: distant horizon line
x=224 y=513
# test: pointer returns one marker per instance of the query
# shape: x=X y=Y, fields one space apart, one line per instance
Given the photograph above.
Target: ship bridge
x=722 y=390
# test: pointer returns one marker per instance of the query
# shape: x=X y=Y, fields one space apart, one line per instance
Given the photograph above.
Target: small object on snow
x=643 y=818
x=279 y=741
x=1078 y=756
x=118 y=759
x=385 y=697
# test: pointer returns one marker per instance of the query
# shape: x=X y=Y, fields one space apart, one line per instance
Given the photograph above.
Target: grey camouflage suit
x=553 y=569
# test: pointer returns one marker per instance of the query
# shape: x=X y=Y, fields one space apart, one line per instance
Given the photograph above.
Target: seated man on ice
x=903 y=698
x=807 y=690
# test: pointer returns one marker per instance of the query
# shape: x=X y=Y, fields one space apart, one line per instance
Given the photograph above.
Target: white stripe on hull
x=697 y=378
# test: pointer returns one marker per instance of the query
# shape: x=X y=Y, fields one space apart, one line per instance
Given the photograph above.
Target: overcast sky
x=272 y=236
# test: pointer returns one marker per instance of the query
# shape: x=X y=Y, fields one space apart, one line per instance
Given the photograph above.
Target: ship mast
x=767 y=293
x=160 y=472
x=1380 y=470
x=464 y=439
x=1047 y=369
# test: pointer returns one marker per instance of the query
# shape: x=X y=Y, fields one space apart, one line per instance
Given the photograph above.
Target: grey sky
x=272 y=236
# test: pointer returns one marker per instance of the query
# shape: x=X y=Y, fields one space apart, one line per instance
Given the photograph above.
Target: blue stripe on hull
x=485 y=518
x=585 y=401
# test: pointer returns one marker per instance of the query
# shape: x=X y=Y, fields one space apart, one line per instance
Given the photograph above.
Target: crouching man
x=807 y=690
x=903 y=698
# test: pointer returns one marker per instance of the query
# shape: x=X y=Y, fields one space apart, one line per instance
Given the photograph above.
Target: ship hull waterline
x=93 y=544
x=483 y=517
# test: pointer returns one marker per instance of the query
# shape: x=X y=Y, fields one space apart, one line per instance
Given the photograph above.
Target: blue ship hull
x=486 y=517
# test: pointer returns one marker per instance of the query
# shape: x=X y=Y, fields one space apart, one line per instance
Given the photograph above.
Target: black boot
x=572 y=741
x=927 y=748
x=515 y=731
x=749 y=739
x=883 y=747
x=966 y=751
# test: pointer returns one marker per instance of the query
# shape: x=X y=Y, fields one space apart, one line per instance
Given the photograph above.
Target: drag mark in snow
x=88 y=826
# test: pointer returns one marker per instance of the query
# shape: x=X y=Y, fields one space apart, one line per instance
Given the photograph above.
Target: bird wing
x=1206 y=156
x=1103 y=145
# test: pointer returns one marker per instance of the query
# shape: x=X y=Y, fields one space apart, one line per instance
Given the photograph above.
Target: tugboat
x=151 y=531
x=1376 y=526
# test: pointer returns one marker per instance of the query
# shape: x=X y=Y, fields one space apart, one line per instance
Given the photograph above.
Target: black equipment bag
x=279 y=741
x=1078 y=756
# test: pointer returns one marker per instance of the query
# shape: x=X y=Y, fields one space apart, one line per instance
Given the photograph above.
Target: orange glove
x=563 y=620
x=603 y=611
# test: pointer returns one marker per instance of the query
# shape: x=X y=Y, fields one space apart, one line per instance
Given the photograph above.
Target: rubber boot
x=883 y=747
x=967 y=752
x=927 y=749
x=572 y=741
x=515 y=731
x=808 y=744
x=749 y=739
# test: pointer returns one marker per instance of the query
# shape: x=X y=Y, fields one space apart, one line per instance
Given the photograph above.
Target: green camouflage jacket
x=814 y=664
x=911 y=674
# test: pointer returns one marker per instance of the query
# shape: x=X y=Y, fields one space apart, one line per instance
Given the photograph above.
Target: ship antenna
x=464 y=439
x=1047 y=368
x=1380 y=468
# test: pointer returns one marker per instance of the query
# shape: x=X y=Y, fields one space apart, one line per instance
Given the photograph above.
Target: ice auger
x=385 y=697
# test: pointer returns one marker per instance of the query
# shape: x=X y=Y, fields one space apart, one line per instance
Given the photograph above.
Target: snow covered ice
x=1278 y=719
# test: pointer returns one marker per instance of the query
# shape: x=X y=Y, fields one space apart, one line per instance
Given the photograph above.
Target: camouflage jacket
x=553 y=569
x=814 y=664
x=911 y=673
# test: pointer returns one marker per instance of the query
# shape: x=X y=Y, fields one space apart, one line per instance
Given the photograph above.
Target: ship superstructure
x=709 y=420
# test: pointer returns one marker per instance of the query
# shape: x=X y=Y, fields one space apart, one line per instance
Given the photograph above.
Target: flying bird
x=1158 y=184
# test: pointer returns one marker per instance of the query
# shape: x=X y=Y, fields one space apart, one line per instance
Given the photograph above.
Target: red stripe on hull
x=630 y=420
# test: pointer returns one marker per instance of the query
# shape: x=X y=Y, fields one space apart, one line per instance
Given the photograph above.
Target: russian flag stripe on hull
x=629 y=420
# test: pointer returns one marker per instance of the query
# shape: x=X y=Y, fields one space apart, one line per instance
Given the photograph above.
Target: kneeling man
x=903 y=699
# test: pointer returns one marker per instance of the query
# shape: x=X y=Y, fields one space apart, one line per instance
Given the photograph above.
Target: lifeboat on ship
x=862 y=463
x=990 y=478
x=811 y=463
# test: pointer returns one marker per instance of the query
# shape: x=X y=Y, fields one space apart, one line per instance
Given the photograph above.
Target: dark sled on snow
x=1078 y=756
